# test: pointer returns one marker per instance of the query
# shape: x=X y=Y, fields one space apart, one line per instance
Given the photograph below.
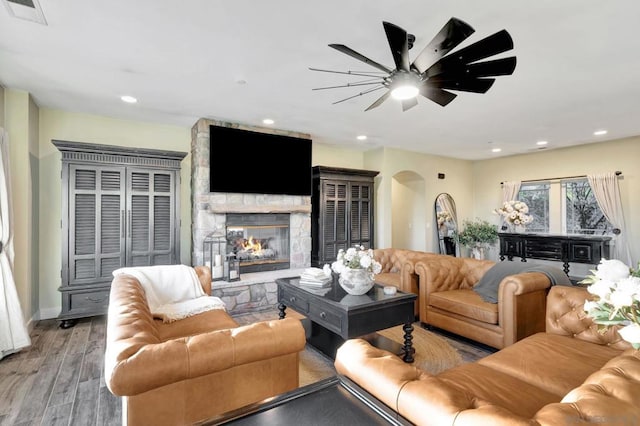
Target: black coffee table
x=337 y=316
x=334 y=401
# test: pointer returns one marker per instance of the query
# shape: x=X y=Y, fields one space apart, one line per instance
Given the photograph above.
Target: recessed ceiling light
x=128 y=99
x=268 y=121
x=496 y=150
x=600 y=132
x=542 y=143
x=361 y=137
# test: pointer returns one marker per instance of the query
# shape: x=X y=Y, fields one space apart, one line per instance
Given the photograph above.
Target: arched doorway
x=408 y=213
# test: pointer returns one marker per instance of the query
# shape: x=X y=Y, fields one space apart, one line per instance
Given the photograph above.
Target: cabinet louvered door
x=341 y=211
x=335 y=216
x=361 y=209
x=150 y=217
x=96 y=229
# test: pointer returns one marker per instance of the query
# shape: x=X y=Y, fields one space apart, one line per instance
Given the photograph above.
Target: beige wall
x=20 y=122
x=392 y=163
x=2 y=107
x=330 y=155
x=600 y=157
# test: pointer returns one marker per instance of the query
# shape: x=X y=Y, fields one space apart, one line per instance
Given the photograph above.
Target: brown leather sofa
x=448 y=301
x=571 y=374
x=192 y=369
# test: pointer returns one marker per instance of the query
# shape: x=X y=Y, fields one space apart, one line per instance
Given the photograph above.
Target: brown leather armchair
x=195 y=368
x=448 y=301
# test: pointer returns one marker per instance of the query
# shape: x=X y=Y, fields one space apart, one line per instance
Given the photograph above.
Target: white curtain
x=509 y=192
x=13 y=331
x=607 y=192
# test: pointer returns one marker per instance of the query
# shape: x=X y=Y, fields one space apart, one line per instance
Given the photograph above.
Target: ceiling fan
x=432 y=73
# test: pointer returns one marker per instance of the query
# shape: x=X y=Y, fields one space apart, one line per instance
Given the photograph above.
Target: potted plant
x=478 y=235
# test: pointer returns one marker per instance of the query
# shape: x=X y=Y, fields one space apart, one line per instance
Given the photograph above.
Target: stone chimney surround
x=208 y=210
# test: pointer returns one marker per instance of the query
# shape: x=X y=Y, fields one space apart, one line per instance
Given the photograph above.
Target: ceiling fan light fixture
x=406 y=91
x=404 y=86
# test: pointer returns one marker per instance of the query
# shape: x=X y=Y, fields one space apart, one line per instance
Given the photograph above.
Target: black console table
x=564 y=248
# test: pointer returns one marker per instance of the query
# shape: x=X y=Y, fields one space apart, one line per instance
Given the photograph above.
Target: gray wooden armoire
x=120 y=207
x=342 y=209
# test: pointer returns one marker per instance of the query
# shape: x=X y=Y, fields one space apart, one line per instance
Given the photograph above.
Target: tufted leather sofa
x=571 y=374
x=189 y=370
x=398 y=269
x=447 y=300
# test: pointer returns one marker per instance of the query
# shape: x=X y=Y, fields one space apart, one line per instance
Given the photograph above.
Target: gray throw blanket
x=488 y=285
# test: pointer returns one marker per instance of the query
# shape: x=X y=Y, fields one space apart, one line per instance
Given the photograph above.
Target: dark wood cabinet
x=341 y=211
x=563 y=248
x=120 y=207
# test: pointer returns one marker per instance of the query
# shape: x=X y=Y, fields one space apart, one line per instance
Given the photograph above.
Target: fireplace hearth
x=260 y=241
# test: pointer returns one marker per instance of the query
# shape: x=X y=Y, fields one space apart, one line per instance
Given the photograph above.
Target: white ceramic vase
x=356 y=281
x=518 y=229
x=477 y=252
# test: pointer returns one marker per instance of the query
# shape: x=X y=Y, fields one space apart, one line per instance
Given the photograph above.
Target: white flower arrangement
x=356 y=257
x=443 y=217
x=617 y=287
x=515 y=212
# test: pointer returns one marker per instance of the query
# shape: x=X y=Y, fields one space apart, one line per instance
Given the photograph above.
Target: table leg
x=408 y=345
x=281 y=309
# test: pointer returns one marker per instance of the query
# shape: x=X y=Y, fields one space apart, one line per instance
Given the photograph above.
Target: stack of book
x=315 y=277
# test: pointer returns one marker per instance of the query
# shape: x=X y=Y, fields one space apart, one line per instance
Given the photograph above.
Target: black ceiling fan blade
x=451 y=71
x=504 y=66
x=379 y=101
x=397 y=38
x=409 y=103
x=476 y=85
x=348 y=51
x=450 y=36
x=492 y=45
x=439 y=96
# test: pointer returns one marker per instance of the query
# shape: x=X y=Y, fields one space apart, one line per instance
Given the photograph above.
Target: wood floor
x=59 y=380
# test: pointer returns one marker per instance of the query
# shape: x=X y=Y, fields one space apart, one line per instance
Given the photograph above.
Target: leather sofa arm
x=204 y=275
x=608 y=396
x=159 y=364
x=522 y=305
x=566 y=316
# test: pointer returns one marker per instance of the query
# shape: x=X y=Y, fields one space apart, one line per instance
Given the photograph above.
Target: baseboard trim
x=47 y=313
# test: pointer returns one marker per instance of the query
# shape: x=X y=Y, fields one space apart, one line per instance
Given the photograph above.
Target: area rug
x=314 y=366
x=433 y=353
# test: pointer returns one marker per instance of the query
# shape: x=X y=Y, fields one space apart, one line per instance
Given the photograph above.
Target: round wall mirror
x=446 y=223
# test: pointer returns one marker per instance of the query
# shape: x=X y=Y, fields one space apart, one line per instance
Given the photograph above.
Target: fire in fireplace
x=260 y=241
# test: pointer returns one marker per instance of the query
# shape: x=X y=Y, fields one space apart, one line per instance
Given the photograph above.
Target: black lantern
x=231 y=268
x=213 y=253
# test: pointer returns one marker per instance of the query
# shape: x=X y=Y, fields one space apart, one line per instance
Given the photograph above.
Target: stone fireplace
x=211 y=212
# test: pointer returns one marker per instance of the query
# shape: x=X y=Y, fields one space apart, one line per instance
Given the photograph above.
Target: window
x=536 y=196
x=582 y=215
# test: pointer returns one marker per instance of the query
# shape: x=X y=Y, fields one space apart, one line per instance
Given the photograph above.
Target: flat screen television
x=258 y=163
